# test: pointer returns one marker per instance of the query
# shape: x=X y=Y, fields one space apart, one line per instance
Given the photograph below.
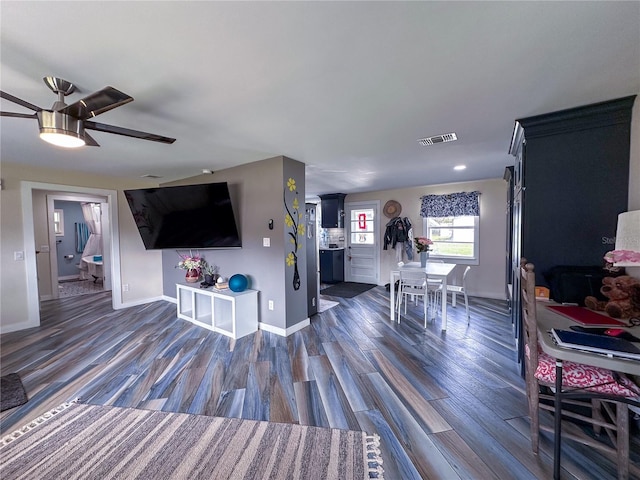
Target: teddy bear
x=623 y=294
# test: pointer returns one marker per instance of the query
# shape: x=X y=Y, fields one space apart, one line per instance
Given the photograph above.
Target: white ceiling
x=345 y=87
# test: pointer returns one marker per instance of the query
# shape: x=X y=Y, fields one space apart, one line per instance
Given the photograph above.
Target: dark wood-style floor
x=446 y=405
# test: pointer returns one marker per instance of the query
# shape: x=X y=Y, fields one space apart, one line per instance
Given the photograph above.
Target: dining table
x=435 y=271
x=548 y=319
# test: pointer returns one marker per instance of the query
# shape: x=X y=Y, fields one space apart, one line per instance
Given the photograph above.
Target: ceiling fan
x=64 y=125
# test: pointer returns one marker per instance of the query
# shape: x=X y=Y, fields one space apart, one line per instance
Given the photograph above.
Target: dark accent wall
x=570 y=181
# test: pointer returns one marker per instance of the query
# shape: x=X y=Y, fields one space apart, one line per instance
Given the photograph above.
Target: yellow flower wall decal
x=288 y=220
x=293 y=219
x=290 y=259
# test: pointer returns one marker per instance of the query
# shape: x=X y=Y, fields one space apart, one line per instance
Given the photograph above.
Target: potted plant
x=210 y=272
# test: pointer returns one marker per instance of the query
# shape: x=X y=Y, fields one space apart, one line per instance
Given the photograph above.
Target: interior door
x=362 y=262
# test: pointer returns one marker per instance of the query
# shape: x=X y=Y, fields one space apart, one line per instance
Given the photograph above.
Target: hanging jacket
x=408 y=245
x=395 y=232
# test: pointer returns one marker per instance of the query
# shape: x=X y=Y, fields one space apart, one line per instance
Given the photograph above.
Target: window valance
x=450 y=205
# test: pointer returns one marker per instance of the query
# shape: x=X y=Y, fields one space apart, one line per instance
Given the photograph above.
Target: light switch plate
x=266 y=242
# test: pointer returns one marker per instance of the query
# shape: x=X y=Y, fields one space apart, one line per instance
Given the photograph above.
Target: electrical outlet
x=270 y=304
x=266 y=242
x=125 y=287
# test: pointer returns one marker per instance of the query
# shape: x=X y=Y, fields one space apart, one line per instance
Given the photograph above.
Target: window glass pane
x=464 y=221
x=453 y=236
x=454 y=249
x=58 y=222
x=361 y=223
x=362 y=220
x=462 y=235
x=362 y=238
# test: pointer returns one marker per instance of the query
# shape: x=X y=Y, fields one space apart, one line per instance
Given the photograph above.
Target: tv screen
x=190 y=216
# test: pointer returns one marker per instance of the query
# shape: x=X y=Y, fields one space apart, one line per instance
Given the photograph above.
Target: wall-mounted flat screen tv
x=190 y=216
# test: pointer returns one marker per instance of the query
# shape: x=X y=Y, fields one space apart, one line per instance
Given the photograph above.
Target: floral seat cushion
x=586 y=377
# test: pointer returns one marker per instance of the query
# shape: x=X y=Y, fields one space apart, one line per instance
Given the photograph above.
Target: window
x=451 y=222
x=58 y=222
x=362 y=227
x=453 y=237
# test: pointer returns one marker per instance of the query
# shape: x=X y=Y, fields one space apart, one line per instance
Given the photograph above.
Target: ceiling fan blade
x=19 y=115
x=102 y=127
x=90 y=141
x=19 y=101
x=99 y=102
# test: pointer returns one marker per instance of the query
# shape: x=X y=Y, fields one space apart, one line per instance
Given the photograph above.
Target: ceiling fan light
x=62 y=139
x=60 y=129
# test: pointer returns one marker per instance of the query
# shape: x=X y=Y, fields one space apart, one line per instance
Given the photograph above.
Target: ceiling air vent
x=446 y=137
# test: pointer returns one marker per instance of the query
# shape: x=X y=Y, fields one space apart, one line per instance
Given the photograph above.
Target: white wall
x=486 y=279
x=18 y=286
x=634 y=170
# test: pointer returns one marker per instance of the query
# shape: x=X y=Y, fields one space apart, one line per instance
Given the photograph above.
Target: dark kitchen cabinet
x=569 y=183
x=332 y=208
x=331 y=265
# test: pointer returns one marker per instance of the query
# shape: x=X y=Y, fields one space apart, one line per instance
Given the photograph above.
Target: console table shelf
x=234 y=314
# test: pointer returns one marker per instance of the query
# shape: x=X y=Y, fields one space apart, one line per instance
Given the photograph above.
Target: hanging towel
x=82 y=235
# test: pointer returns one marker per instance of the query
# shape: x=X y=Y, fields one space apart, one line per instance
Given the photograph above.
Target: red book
x=584 y=316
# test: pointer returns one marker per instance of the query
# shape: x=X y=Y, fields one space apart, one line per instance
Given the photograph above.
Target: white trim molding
x=282 y=331
x=26 y=192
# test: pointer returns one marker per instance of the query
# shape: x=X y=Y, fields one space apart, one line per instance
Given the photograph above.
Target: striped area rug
x=78 y=441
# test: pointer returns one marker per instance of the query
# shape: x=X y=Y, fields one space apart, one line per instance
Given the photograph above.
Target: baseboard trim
x=284 y=332
x=135 y=303
x=170 y=299
x=17 y=326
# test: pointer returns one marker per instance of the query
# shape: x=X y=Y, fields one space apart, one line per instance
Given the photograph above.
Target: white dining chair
x=457 y=289
x=412 y=287
x=434 y=287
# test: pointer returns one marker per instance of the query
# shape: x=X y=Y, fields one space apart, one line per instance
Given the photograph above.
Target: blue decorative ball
x=238 y=283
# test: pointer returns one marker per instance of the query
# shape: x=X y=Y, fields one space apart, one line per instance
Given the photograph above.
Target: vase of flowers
x=423 y=246
x=193 y=265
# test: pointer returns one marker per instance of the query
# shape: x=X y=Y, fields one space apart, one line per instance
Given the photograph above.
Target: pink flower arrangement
x=190 y=262
x=423 y=244
x=616 y=256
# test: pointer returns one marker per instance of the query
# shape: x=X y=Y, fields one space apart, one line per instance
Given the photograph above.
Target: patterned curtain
x=451 y=205
x=92 y=213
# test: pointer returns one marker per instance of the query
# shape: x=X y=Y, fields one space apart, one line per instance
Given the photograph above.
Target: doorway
x=35 y=213
x=68 y=262
x=363 y=242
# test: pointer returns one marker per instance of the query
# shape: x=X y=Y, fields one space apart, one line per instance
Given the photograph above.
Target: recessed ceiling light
x=459 y=167
x=445 y=137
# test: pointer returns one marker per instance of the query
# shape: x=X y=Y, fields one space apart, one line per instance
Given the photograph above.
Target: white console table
x=234 y=314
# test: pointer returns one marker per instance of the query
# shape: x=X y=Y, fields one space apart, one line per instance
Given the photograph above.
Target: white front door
x=362 y=255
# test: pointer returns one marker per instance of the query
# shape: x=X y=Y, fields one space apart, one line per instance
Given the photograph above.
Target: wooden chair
x=611 y=416
x=456 y=289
